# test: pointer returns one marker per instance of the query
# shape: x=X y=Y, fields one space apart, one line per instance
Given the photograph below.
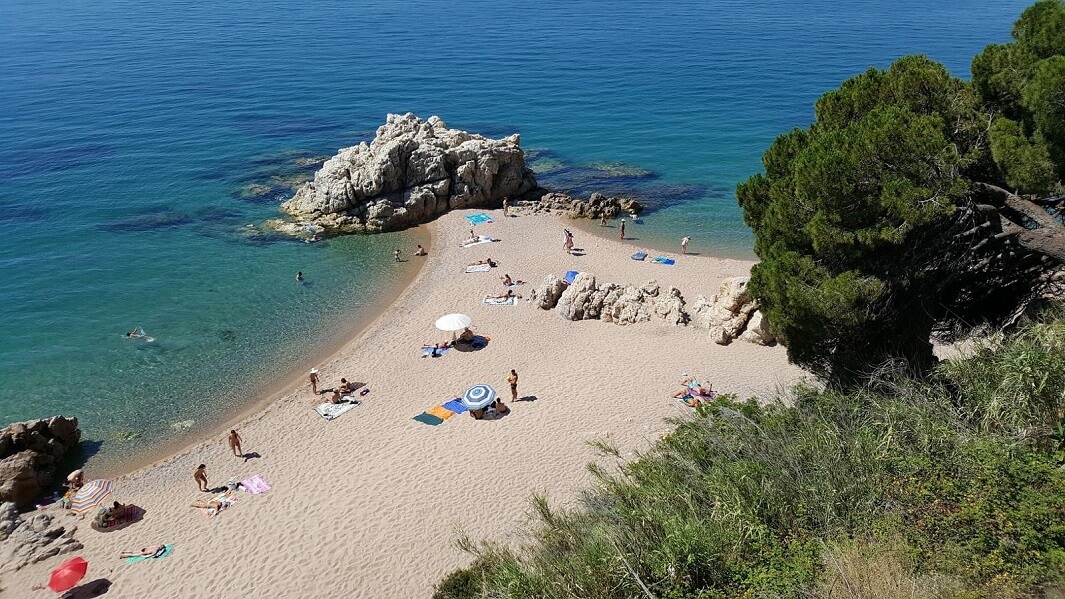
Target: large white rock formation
x=413 y=171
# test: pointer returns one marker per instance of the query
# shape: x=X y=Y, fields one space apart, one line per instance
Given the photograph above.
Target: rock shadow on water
x=12 y=213
x=613 y=179
x=278 y=125
x=35 y=158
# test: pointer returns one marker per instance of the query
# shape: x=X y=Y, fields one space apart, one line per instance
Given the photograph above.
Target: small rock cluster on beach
x=28 y=539
x=596 y=206
x=30 y=453
x=413 y=171
x=728 y=315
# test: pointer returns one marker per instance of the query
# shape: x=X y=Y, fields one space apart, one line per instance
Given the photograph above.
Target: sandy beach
x=371 y=503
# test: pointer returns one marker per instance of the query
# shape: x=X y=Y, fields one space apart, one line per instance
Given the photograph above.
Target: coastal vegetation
x=947 y=486
x=915 y=205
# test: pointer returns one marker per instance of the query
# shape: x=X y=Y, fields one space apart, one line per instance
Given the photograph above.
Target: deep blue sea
x=131 y=130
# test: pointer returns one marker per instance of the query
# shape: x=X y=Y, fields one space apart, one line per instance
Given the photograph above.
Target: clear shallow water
x=128 y=129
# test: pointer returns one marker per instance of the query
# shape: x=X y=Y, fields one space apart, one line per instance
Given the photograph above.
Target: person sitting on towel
x=336 y=396
x=467 y=335
x=346 y=387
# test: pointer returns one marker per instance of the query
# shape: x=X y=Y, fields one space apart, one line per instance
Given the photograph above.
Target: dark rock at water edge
x=30 y=454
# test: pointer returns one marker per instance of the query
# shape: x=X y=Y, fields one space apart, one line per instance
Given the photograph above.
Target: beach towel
x=570 y=276
x=639 y=255
x=480 y=239
x=478 y=268
x=427 y=418
x=479 y=219
x=427 y=352
x=140 y=558
x=666 y=261
x=456 y=406
x=495 y=301
x=255 y=485
x=330 y=411
x=440 y=412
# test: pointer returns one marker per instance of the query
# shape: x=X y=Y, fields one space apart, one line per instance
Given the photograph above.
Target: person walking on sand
x=396 y=254
x=623 y=229
x=602 y=219
x=234 y=443
x=512 y=378
x=299 y=276
x=506 y=207
x=684 y=244
x=314 y=380
x=200 y=476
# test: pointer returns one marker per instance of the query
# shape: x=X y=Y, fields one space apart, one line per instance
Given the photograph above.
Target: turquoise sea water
x=129 y=128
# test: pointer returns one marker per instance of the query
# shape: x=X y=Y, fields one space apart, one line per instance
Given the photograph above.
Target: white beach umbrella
x=478 y=397
x=453 y=322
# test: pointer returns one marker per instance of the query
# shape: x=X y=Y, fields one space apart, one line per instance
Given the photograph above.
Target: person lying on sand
x=217 y=504
x=144 y=552
x=487 y=261
x=693 y=402
x=508 y=294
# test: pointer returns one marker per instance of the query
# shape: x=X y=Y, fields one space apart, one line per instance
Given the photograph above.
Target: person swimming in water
x=299 y=276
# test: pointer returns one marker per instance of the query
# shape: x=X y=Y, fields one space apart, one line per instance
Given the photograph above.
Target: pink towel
x=255 y=485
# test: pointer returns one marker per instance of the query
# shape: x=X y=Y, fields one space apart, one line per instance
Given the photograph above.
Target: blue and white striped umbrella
x=478 y=397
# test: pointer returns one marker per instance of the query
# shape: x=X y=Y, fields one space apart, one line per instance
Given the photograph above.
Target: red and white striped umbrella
x=90 y=495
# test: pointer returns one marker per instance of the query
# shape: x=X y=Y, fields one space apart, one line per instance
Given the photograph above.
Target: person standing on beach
x=200 y=476
x=684 y=244
x=396 y=254
x=314 y=380
x=623 y=229
x=512 y=378
x=299 y=276
x=602 y=219
x=506 y=207
x=234 y=443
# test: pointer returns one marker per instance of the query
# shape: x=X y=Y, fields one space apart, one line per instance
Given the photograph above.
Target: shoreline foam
x=370 y=504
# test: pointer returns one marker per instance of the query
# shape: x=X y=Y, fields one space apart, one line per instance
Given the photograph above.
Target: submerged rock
x=412 y=172
x=30 y=453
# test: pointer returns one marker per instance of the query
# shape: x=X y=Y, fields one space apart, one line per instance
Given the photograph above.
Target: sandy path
x=369 y=505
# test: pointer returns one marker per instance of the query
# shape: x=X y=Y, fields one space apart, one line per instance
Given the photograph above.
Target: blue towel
x=140 y=558
x=570 y=275
x=666 y=261
x=480 y=218
x=639 y=255
x=455 y=406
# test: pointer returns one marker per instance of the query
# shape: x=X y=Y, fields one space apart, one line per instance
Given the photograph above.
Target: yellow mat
x=440 y=412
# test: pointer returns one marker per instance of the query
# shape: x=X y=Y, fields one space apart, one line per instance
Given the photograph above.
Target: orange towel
x=440 y=412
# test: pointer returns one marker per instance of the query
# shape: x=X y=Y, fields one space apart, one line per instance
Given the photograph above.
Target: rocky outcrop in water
x=596 y=206
x=413 y=171
x=31 y=538
x=30 y=453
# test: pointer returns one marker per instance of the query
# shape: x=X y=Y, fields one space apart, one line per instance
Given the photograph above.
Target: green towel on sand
x=141 y=558
x=427 y=418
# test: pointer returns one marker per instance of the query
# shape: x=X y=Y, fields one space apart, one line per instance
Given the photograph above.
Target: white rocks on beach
x=413 y=171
